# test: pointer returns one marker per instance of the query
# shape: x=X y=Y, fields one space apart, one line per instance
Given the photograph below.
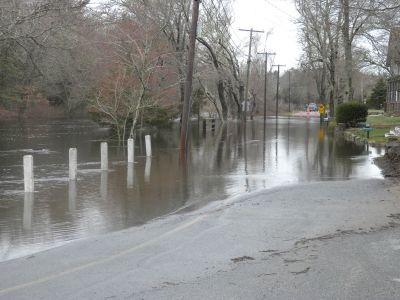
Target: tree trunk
x=222 y=100
x=347 y=50
x=220 y=83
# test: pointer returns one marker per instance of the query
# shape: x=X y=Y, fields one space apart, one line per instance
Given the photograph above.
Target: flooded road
x=221 y=164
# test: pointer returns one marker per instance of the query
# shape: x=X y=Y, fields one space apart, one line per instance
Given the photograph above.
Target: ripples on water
x=221 y=164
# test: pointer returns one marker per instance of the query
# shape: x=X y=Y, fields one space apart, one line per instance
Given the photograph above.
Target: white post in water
x=73 y=163
x=148 y=145
x=131 y=150
x=28 y=174
x=104 y=156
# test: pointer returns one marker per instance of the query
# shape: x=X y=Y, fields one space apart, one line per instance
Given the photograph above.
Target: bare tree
x=220 y=53
x=320 y=27
x=172 y=19
x=27 y=29
x=133 y=73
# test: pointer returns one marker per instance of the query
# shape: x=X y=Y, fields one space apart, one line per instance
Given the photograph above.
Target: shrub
x=158 y=116
x=351 y=113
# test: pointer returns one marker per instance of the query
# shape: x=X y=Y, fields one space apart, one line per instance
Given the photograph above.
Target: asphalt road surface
x=327 y=240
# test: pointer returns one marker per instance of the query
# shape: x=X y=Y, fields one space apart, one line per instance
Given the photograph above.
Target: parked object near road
x=312 y=107
x=393 y=133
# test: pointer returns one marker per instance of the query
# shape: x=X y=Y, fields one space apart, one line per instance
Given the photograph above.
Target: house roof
x=393 y=55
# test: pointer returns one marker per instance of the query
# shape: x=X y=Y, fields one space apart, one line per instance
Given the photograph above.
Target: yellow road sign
x=321 y=109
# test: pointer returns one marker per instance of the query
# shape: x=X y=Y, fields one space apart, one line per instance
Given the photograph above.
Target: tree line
x=124 y=61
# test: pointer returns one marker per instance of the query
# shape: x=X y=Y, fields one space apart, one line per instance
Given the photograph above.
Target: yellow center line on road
x=102 y=261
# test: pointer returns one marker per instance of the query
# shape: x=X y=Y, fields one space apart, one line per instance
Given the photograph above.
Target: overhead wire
x=214 y=18
x=292 y=18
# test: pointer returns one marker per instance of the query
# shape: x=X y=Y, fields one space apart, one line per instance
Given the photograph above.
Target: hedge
x=351 y=113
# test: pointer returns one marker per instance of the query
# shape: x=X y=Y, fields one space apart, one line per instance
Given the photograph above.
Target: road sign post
x=321 y=110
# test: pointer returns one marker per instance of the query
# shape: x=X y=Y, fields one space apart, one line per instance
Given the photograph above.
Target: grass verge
x=380 y=124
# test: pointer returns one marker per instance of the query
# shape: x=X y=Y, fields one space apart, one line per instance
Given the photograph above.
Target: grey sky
x=277 y=16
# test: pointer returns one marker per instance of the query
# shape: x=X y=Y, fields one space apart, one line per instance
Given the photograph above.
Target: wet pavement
x=341 y=242
x=221 y=165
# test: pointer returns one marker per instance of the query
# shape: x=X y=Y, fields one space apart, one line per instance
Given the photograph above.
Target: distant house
x=393 y=62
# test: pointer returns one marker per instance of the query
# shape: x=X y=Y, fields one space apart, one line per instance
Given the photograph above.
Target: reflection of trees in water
x=129 y=199
x=288 y=138
x=324 y=155
x=333 y=156
x=264 y=139
x=221 y=144
x=276 y=144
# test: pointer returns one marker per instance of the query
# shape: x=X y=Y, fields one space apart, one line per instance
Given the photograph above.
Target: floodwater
x=221 y=164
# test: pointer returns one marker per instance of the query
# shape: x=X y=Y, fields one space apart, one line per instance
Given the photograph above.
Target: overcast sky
x=276 y=16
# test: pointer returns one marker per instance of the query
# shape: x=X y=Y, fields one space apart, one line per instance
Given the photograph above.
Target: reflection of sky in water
x=220 y=165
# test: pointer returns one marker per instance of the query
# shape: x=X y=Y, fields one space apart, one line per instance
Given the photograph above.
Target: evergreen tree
x=378 y=96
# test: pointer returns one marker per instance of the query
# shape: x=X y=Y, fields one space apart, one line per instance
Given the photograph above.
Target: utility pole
x=189 y=79
x=277 y=90
x=248 y=70
x=265 y=80
x=289 y=89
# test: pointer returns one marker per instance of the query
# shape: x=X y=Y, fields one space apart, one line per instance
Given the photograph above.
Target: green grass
x=375 y=111
x=377 y=135
x=381 y=124
x=383 y=121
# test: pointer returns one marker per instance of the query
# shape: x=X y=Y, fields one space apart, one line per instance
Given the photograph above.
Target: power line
x=293 y=19
x=227 y=34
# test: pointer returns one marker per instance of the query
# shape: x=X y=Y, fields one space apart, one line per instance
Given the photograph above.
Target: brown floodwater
x=220 y=164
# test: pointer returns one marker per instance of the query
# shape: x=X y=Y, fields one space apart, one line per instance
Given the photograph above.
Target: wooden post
x=73 y=164
x=104 y=156
x=29 y=185
x=148 y=145
x=131 y=150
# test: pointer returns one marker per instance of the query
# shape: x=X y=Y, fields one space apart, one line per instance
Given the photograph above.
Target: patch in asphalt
x=242 y=258
x=268 y=251
x=290 y=261
x=302 y=271
x=394 y=216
